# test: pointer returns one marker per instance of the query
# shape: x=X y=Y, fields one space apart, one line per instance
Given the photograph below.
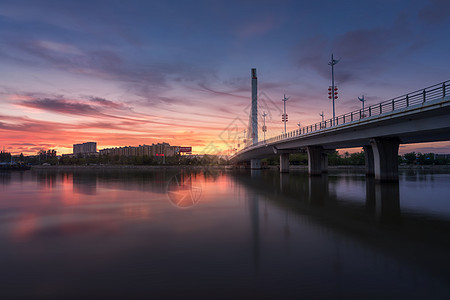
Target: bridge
x=419 y=116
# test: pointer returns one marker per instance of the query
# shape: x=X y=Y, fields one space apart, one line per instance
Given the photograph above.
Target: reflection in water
x=84 y=183
x=183 y=191
x=5 y=177
x=257 y=234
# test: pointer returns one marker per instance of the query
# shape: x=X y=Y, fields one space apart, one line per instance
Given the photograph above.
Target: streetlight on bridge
x=333 y=88
x=362 y=100
x=284 y=117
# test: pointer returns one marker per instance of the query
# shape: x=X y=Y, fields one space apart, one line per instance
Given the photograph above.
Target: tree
x=5 y=156
x=425 y=159
x=357 y=159
x=334 y=158
x=410 y=157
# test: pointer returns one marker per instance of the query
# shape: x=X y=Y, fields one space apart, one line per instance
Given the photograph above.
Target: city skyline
x=138 y=72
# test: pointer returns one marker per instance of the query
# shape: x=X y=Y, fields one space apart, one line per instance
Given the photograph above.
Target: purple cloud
x=61 y=106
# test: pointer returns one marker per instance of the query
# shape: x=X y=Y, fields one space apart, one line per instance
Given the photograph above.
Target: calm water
x=222 y=234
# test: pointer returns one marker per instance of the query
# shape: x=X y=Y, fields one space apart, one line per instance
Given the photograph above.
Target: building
x=441 y=156
x=160 y=149
x=85 y=148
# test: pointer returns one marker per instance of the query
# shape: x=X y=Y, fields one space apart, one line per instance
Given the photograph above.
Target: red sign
x=158 y=154
x=185 y=149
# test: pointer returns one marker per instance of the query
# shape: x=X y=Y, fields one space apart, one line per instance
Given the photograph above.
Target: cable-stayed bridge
x=419 y=116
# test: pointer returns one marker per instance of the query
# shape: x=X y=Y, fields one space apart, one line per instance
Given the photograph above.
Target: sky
x=128 y=73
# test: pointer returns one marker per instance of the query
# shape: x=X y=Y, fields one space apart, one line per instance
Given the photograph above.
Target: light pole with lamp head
x=284 y=118
x=333 y=88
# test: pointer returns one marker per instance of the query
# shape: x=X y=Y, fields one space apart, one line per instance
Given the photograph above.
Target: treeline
x=357 y=158
x=334 y=159
x=5 y=156
x=138 y=160
x=413 y=158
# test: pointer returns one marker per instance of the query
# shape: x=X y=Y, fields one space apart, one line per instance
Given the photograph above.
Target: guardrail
x=430 y=93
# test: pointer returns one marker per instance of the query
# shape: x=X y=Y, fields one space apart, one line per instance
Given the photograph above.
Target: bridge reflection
x=376 y=220
x=382 y=200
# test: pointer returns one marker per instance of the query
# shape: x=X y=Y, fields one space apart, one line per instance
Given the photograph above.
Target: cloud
x=364 y=52
x=437 y=11
x=107 y=103
x=145 y=79
x=258 y=27
x=22 y=144
x=61 y=106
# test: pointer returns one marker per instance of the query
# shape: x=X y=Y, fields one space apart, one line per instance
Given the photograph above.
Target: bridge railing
x=430 y=93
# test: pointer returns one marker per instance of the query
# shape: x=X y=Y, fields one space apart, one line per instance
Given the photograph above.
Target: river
x=218 y=234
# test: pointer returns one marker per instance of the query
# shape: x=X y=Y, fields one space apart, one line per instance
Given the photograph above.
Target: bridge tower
x=254 y=107
x=255 y=163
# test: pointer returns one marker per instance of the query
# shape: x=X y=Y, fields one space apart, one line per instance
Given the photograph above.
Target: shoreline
x=161 y=167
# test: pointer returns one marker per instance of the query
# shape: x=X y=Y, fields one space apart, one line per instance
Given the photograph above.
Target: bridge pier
x=255 y=164
x=317 y=160
x=284 y=163
x=324 y=162
x=368 y=158
x=385 y=158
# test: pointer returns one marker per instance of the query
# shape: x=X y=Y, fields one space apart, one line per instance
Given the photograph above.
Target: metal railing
x=430 y=93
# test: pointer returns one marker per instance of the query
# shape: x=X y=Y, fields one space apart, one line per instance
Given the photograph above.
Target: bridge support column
x=385 y=158
x=284 y=163
x=324 y=162
x=368 y=158
x=255 y=164
x=317 y=160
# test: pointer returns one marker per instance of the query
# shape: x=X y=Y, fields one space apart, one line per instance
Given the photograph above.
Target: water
x=210 y=234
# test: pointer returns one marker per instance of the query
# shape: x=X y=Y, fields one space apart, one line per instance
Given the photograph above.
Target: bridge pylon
x=255 y=163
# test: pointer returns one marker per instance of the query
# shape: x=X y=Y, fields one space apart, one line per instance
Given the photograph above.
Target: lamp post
x=362 y=100
x=284 y=118
x=321 y=115
x=264 y=129
x=333 y=90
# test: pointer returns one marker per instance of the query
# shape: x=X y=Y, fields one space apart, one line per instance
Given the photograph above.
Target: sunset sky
x=125 y=73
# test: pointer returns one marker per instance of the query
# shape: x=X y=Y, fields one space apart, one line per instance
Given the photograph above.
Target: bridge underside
x=380 y=136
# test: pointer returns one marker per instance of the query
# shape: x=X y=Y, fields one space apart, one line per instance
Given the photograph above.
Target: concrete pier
x=255 y=164
x=368 y=158
x=385 y=158
x=284 y=163
x=317 y=160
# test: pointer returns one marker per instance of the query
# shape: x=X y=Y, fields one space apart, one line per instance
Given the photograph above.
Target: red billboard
x=185 y=149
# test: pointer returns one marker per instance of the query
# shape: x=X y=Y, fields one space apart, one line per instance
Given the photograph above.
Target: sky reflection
x=261 y=233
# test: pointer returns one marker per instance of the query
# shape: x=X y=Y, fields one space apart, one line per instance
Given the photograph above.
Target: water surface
x=210 y=234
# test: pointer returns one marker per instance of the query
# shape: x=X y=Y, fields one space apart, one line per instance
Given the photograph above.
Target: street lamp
x=333 y=88
x=284 y=118
x=321 y=115
x=362 y=100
